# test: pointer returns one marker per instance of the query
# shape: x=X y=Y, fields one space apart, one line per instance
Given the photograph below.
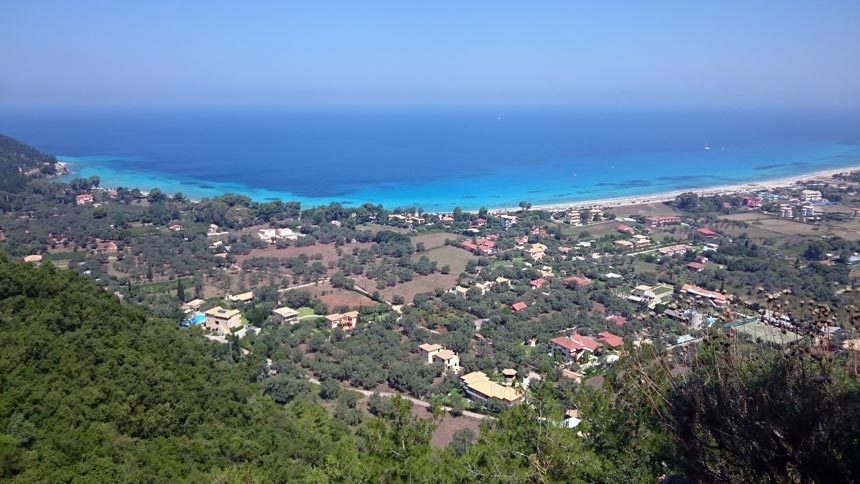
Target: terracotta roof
x=538 y=282
x=611 y=339
x=707 y=232
x=576 y=342
x=580 y=281
x=518 y=306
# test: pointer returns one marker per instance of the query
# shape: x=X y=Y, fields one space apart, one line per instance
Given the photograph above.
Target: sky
x=683 y=53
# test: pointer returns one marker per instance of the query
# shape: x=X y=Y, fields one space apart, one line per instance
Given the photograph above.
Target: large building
x=479 y=387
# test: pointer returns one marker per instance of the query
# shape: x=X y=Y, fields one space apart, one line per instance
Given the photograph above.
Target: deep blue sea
x=436 y=157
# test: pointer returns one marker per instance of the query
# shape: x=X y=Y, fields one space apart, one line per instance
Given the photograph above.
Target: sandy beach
x=704 y=191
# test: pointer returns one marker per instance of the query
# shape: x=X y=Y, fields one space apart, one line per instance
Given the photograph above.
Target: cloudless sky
x=726 y=53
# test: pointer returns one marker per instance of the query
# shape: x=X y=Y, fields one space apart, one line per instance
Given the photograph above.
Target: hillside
x=16 y=159
x=91 y=389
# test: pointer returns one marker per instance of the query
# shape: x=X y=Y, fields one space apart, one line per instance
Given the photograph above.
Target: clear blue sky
x=772 y=53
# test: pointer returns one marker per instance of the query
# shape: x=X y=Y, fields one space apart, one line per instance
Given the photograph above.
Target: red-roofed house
x=538 y=283
x=707 y=233
x=612 y=340
x=696 y=266
x=625 y=229
x=574 y=346
x=577 y=280
x=471 y=247
x=518 y=306
x=83 y=199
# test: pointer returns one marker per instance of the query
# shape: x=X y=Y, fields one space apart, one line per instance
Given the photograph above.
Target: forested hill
x=16 y=159
x=91 y=390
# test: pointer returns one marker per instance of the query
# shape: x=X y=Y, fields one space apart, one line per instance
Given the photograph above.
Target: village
x=468 y=310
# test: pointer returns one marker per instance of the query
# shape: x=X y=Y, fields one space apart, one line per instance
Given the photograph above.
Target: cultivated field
x=432 y=240
x=333 y=297
x=768 y=227
x=328 y=252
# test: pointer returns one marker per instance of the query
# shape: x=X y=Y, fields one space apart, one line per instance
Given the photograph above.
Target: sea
x=436 y=157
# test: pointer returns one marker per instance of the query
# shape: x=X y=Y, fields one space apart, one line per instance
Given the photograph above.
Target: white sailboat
x=707 y=147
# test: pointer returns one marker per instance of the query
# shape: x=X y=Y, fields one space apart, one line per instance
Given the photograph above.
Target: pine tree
x=180 y=290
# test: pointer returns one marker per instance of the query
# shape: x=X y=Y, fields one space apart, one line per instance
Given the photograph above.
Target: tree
x=525 y=205
x=284 y=387
x=463 y=438
x=329 y=389
x=180 y=290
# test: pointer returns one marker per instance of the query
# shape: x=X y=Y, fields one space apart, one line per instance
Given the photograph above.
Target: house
x=641 y=293
x=624 y=244
x=35 y=258
x=625 y=229
x=479 y=387
x=716 y=298
x=83 y=199
x=449 y=359
x=193 y=305
x=675 y=249
x=518 y=306
x=503 y=280
x=611 y=340
x=272 y=235
x=661 y=221
x=241 y=298
x=752 y=202
x=640 y=241
x=286 y=315
x=574 y=217
x=707 y=233
x=175 y=227
x=575 y=346
x=810 y=195
x=696 y=266
x=538 y=283
x=432 y=353
x=577 y=281
x=428 y=350
x=221 y=321
x=537 y=251
x=595 y=214
x=345 y=321
x=508 y=221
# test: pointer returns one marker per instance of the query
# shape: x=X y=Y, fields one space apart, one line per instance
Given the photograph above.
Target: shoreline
x=661 y=197
x=607 y=202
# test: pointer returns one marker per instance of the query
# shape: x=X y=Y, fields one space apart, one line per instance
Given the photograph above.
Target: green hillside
x=93 y=391
x=16 y=158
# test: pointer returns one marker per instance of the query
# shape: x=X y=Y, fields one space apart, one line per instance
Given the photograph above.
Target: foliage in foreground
x=92 y=390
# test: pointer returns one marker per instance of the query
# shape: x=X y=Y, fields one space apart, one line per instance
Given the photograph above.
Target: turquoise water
x=574 y=181
x=438 y=158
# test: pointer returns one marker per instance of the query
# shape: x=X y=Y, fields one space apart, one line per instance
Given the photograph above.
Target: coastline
x=661 y=197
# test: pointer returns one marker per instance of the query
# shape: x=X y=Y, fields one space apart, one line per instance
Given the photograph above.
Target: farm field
x=768 y=227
